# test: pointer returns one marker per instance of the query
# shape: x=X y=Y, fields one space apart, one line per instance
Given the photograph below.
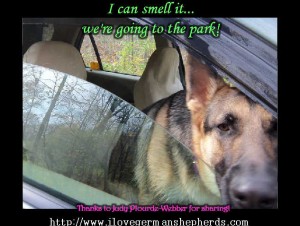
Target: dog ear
x=201 y=84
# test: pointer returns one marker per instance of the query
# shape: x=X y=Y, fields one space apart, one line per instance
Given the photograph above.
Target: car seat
x=160 y=79
x=60 y=56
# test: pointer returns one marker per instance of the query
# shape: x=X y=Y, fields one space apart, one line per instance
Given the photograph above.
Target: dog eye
x=224 y=127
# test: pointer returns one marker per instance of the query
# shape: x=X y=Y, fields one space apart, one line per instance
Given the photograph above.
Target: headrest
x=56 y=55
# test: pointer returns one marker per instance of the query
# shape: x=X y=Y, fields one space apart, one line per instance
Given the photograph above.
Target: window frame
x=254 y=70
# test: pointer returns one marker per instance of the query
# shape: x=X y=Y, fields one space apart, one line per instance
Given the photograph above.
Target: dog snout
x=254 y=191
x=253 y=195
x=254 y=187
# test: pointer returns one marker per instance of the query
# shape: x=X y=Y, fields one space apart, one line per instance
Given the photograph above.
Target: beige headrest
x=160 y=78
x=59 y=56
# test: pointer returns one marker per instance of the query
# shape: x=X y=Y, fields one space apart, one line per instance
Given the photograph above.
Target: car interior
x=160 y=79
x=56 y=43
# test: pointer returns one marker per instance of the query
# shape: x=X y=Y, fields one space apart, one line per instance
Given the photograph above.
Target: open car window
x=79 y=140
x=239 y=54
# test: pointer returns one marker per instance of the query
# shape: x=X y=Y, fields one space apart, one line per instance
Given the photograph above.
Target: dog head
x=234 y=140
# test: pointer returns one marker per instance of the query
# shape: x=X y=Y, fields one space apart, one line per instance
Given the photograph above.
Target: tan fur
x=161 y=174
x=252 y=119
x=157 y=156
x=207 y=97
x=207 y=94
x=203 y=159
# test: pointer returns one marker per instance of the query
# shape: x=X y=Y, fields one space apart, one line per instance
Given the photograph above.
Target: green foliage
x=128 y=55
x=226 y=80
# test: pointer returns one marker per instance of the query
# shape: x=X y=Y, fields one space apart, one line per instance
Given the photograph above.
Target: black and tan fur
x=231 y=152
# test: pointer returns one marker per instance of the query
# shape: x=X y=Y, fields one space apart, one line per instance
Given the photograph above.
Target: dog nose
x=253 y=195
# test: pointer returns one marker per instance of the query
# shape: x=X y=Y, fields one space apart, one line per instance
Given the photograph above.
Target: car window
x=249 y=63
x=265 y=27
x=128 y=55
x=79 y=140
x=35 y=32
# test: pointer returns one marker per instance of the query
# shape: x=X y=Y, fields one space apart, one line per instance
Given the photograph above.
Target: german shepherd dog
x=226 y=132
x=231 y=152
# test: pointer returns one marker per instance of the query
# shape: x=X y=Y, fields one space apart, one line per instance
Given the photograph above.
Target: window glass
x=48 y=30
x=128 y=55
x=265 y=27
x=79 y=140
